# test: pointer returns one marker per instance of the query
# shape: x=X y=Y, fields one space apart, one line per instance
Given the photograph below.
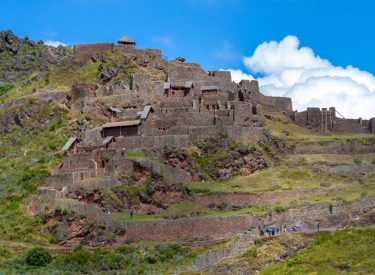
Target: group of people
x=272 y=231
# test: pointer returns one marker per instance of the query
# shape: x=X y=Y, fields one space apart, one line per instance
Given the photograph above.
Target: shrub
x=252 y=252
x=127 y=250
x=38 y=256
x=5 y=88
x=279 y=209
x=79 y=257
x=151 y=257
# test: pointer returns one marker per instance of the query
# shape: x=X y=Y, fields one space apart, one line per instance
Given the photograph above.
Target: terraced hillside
x=180 y=209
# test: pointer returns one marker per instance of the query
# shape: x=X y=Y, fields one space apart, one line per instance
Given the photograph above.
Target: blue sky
x=214 y=33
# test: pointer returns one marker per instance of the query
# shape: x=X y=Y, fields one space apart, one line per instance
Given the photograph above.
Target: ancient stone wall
x=81 y=90
x=341 y=148
x=325 y=120
x=86 y=49
x=300 y=118
x=204 y=229
x=69 y=180
x=224 y=228
x=350 y=125
x=252 y=94
x=247 y=135
x=372 y=125
x=224 y=76
x=76 y=162
x=139 y=142
x=169 y=173
x=148 y=55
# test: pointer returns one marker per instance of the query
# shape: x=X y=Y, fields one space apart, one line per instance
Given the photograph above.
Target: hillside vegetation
x=289 y=171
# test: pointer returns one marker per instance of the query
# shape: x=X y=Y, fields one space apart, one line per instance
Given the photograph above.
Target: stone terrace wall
x=204 y=229
x=136 y=142
x=58 y=181
x=224 y=228
x=341 y=148
x=307 y=217
x=169 y=173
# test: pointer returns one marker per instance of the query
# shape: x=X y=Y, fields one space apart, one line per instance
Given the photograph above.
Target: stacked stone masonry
x=177 y=104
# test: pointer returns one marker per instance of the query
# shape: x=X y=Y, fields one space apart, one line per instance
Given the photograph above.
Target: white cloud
x=297 y=72
x=54 y=43
x=238 y=75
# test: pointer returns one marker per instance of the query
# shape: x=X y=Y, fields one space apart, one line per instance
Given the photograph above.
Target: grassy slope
x=347 y=251
x=135 y=259
x=27 y=155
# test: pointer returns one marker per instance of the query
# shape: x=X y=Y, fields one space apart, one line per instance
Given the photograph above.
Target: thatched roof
x=126 y=39
x=125 y=123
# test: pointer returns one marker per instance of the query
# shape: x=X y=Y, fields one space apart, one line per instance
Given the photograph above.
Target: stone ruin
x=176 y=104
x=326 y=120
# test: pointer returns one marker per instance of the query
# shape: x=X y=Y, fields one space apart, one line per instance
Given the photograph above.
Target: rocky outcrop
x=27 y=114
x=20 y=57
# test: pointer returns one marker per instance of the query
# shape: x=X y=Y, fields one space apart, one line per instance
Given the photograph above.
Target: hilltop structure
x=174 y=103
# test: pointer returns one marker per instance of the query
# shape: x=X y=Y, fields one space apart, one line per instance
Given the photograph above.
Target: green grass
x=347 y=251
x=27 y=155
x=136 y=259
x=135 y=154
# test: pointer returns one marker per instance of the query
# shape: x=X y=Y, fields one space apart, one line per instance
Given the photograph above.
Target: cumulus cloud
x=311 y=81
x=54 y=43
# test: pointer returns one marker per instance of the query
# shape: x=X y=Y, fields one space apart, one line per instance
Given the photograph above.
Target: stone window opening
x=81 y=176
x=207 y=107
x=254 y=110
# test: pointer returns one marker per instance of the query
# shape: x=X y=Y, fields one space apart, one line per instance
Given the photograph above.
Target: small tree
x=38 y=256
